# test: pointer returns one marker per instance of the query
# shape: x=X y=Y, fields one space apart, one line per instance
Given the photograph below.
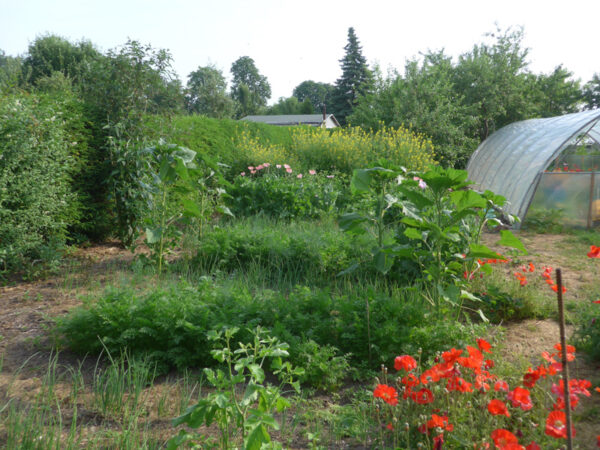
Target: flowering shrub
x=344 y=149
x=278 y=191
x=458 y=400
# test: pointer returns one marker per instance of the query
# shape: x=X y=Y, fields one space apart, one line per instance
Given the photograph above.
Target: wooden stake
x=563 y=345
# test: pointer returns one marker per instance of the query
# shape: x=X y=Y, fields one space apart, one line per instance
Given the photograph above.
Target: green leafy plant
x=250 y=414
x=173 y=190
x=438 y=228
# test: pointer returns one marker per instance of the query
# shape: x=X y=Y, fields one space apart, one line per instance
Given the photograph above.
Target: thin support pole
x=565 y=367
x=591 y=204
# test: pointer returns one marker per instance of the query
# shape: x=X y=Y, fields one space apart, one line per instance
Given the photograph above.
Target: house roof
x=510 y=162
x=293 y=119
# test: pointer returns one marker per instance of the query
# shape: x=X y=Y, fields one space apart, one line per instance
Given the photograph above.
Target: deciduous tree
x=249 y=88
x=206 y=93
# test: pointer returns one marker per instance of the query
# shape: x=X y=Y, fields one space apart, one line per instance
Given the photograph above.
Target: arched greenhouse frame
x=543 y=166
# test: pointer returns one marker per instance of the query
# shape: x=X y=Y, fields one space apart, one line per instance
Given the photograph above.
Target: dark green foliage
x=499 y=306
x=206 y=93
x=356 y=79
x=591 y=92
x=249 y=88
x=557 y=93
x=323 y=368
x=36 y=201
x=290 y=105
x=10 y=72
x=425 y=99
x=51 y=53
x=286 y=197
x=317 y=93
x=120 y=89
x=170 y=327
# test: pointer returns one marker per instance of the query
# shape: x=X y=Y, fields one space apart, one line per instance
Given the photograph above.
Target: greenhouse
x=544 y=167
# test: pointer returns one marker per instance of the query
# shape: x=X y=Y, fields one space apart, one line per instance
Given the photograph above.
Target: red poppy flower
x=570 y=351
x=512 y=446
x=550 y=282
x=387 y=393
x=520 y=398
x=451 y=355
x=497 y=408
x=458 y=384
x=424 y=396
x=594 y=252
x=596 y=301
x=501 y=386
x=533 y=446
x=389 y=426
x=502 y=437
x=489 y=364
x=484 y=345
x=439 y=421
x=531 y=377
x=410 y=380
x=405 y=362
x=556 y=425
x=531 y=267
x=598 y=440
x=555 y=288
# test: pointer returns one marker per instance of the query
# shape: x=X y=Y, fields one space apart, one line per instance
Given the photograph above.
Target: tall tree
x=206 y=93
x=494 y=81
x=51 y=53
x=557 y=93
x=424 y=100
x=356 y=79
x=591 y=92
x=249 y=88
x=10 y=71
x=317 y=93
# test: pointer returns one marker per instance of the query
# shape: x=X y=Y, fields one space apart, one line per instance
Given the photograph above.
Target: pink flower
x=330 y=176
x=250 y=167
x=422 y=184
x=299 y=175
x=266 y=165
x=312 y=172
x=278 y=166
x=253 y=172
x=286 y=166
x=288 y=170
x=260 y=167
x=243 y=174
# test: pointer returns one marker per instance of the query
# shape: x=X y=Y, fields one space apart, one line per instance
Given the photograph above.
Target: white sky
x=292 y=41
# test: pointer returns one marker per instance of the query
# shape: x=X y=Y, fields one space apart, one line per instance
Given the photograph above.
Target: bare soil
x=26 y=309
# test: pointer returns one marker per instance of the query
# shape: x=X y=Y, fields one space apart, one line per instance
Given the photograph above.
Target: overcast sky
x=293 y=41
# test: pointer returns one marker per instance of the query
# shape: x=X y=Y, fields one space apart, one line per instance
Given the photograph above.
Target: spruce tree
x=356 y=79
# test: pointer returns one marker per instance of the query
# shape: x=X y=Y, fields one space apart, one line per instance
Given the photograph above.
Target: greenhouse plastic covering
x=510 y=162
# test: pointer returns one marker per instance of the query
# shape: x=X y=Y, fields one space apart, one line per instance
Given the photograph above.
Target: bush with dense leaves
x=170 y=326
x=36 y=200
x=285 y=196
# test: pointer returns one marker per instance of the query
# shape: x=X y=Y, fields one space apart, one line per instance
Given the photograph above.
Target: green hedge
x=37 y=203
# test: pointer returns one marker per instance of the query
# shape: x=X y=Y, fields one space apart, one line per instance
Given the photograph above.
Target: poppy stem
x=563 y=345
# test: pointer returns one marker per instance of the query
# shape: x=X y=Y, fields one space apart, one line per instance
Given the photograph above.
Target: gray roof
x=294 y=119
x=511 y=161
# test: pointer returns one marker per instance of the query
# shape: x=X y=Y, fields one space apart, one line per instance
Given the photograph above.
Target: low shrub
x=170 y=326
x=273 y=192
